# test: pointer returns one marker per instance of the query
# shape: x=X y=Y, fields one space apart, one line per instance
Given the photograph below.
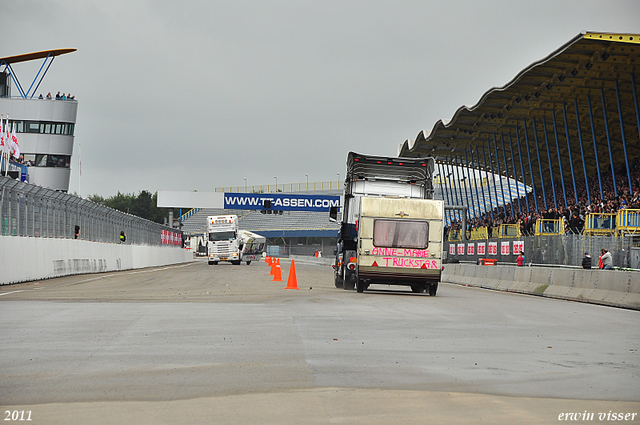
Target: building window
x=44 y=127
x=58 y=161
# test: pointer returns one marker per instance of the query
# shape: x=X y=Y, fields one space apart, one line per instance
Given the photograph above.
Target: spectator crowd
x=573 y=215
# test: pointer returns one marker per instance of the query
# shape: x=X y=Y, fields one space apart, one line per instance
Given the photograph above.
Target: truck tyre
x=215 y=263
x=433 y=288
x=236 y=262
x=338 y=281
x=360 y=286
x=248 y=262
x=349 y=282
x=418 y=289
x=210 y=263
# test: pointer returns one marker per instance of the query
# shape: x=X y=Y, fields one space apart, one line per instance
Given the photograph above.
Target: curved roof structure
x=585 y=90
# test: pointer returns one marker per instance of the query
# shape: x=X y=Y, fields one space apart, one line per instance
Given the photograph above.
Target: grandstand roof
x=35 y=55
x=595 y=68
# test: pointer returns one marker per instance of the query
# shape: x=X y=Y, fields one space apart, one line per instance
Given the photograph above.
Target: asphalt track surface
x=195 y=344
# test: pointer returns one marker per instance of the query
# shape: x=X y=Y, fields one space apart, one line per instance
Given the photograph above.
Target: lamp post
x=307 y=176
x=338 y=174
x=245 y=185
x=276 y=177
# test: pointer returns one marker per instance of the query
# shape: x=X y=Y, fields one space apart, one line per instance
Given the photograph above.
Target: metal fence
x=565 y=250
x=29 y=210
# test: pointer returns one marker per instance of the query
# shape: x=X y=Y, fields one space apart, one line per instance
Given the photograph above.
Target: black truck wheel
x=418 y=289
x=433 y=288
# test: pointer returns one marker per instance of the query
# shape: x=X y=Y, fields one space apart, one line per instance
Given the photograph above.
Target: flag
x=1 y=136
x=14 y=141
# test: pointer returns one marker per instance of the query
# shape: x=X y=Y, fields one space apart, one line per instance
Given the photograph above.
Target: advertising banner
x=280 y=201
x=471 y=248
x=504 y=248
x=481 y=248
x=493 y=248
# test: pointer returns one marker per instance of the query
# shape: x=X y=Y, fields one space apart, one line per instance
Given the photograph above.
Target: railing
x=600 y=224
x=284 y=187
x=479 y=233
x=509 y=231
x=547 y=226
x=189 y=213
x=628 y=222
x=455 y=236
x=30 y=210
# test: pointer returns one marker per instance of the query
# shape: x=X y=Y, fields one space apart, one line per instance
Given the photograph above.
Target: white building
x=44 y=127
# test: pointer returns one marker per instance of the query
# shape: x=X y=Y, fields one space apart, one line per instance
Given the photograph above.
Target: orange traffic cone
x=292 y=282
x=267 y=260
x=277 y=277
x=273 y=267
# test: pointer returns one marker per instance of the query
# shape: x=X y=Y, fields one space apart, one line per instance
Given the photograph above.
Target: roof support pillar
x=464 y=182
x=555 y=133
x=504 y=204
x=484 y=198
x=595 y=146
x=493 y=177
x=515 y=174
x=475 y=205
x=506 y=173
x=624 y=142
x=573 y=175
x=606 y=127
x=546 y=141
x=535 y=137
x=524 y=181
x=533 y=183
x=635 y=101
x=486 y=173
x=584 y=166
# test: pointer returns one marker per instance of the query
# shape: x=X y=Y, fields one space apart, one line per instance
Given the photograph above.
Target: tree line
x=141 y=205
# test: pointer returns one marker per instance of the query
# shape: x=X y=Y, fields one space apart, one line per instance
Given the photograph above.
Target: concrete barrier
x=24 y=259
x=606 y=287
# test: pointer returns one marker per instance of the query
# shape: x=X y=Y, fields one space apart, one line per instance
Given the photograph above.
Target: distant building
x=44 y=127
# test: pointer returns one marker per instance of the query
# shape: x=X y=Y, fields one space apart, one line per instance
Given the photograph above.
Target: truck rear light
x=353 y=259
x=352 y=266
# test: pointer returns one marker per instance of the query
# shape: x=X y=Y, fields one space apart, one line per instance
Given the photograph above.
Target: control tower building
x=44 y=126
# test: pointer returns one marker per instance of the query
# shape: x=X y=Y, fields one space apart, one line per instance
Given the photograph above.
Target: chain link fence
x=567 y=250
x=29 y=210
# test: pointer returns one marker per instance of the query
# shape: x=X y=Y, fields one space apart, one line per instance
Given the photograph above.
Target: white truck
x=391 y=228
x=225 y=242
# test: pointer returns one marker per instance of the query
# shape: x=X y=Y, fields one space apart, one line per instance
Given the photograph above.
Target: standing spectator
x=76 y=232
x=520 y=260
x=586 y=261
x=607 y=260
x=123 y=237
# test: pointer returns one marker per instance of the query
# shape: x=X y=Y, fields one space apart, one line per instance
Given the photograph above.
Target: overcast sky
x=193 y=95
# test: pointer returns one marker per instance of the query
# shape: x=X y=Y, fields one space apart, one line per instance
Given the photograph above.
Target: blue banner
x=280 y=201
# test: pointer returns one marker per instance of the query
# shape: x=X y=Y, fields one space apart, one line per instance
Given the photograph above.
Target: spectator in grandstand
x=586 y=261
x=58 y=96
x=607 y=260
x=49 y=95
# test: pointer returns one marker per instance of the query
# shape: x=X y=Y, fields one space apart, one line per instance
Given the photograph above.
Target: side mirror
x=333 y=214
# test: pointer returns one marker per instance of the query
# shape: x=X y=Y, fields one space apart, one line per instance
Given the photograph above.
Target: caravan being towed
x=225 y=242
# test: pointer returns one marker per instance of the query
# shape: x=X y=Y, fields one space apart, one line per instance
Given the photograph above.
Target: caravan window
x=401 y=234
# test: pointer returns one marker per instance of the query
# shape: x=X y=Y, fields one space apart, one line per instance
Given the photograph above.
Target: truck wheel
x=360 y=286
x=349 y=282
x=248 y=262
x=236 y=262
x=210 y=263
x=338 y=281
x=433 y=288
x=215 y=263
x=418 y=289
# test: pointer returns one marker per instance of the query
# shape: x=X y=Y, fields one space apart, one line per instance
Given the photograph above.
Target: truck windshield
x=222 y=236
x=401 y=234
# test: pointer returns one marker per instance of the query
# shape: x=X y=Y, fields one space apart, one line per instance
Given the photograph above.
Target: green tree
x=142 y=205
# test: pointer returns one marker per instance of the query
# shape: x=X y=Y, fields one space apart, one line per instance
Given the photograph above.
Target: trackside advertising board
x=280 y=201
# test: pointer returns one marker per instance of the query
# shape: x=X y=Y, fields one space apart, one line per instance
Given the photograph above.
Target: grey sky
x=194 y=95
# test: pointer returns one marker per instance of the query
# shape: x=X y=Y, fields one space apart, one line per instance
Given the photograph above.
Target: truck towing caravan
x=225 y=242
x=391 y=229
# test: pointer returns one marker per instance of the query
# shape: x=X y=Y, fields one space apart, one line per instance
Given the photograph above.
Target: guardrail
x=545 y=226
x=628 y=222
